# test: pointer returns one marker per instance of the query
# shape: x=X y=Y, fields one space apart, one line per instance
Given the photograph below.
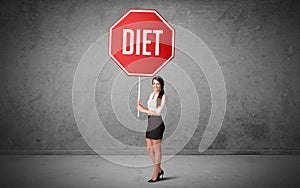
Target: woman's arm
x=147 y=111
x=157 y=112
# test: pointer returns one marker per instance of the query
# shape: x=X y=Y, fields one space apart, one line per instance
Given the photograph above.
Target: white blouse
x=151 y=103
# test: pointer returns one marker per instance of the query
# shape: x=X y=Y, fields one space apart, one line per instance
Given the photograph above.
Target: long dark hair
x=162 y=91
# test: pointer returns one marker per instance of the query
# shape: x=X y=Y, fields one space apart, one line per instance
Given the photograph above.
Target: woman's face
x=156 y=86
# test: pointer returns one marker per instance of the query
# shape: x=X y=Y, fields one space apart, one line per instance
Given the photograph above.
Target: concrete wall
x=256 y=43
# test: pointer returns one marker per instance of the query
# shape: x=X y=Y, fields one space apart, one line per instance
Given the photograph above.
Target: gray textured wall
x=256 y=43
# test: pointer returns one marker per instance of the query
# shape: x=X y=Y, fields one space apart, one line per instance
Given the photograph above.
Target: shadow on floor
x=169 y=178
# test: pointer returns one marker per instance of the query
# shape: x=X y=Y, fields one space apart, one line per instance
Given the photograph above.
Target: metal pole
x=139 y=94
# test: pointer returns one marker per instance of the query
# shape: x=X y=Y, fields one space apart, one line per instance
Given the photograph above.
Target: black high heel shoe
x=152 y=181
x=161 y=174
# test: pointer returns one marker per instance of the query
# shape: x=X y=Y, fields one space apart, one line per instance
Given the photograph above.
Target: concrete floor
x=87 y=171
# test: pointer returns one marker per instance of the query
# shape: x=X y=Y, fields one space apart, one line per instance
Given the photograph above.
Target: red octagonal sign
x=141 y=42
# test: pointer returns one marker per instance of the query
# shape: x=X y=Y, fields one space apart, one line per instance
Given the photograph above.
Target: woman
x=156 y=127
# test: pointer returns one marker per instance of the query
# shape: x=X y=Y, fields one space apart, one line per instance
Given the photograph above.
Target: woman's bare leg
x=150 y=149
x=157 y=157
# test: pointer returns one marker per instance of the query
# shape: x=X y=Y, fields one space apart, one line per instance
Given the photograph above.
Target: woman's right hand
x=139 y=102
x=139 y=108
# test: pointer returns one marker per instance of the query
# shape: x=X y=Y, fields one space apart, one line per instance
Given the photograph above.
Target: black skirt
x=156 y=128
